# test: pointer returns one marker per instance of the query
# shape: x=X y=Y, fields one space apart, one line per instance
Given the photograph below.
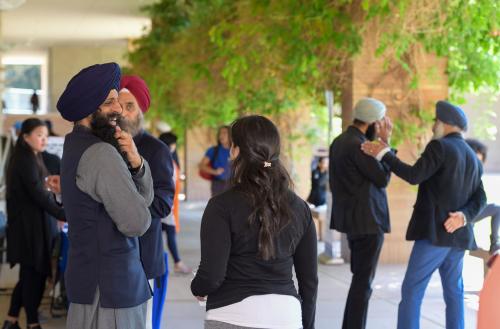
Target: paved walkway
x=182 y=311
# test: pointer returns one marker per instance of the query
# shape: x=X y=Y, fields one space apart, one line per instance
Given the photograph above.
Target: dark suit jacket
x=357 y=182
x=158 y=156
x=449 y=174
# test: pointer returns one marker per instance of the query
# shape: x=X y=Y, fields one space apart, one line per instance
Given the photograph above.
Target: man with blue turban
x=106 y=190
x=450 y=195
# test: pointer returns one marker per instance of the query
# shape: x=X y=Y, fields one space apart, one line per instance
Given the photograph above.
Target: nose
x=117 y=108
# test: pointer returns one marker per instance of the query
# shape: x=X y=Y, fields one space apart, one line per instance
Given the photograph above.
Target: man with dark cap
x=106 y=190
x=135 y=99
x=358 y=183
x=450 y=195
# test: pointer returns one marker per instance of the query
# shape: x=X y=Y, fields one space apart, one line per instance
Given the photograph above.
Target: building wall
x=66 y=61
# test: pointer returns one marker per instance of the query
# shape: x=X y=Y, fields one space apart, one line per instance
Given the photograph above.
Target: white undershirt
x=262 y=311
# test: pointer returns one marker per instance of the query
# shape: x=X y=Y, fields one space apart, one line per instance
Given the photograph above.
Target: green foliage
x=208 y=61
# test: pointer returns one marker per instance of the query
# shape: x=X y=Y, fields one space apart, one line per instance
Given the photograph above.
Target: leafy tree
x=208 y=61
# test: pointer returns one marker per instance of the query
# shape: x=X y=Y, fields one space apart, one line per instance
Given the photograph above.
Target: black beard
x=103 y=129
x=370 y=132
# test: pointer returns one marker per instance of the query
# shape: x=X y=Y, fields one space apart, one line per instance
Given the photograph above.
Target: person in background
x=450 y=195
x=171 y=224
x=50 y=126
x=35 y=103
x=28 y=235
x=319 y=183
x=216 y=162
x=491 y=210
x=253 y=236
x=358 y=184
x=135 y=99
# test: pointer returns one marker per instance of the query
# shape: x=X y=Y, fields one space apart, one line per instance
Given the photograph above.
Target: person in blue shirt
x=216 y=162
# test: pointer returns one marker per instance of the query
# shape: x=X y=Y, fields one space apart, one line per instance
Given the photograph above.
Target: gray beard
x=133 y=127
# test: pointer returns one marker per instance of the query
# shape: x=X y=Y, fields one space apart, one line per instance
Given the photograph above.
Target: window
x=25 y=88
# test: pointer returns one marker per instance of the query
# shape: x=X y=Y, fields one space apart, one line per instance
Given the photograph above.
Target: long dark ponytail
x=258 y=172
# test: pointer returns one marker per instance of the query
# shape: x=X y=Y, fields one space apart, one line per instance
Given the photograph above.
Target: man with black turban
x=106 y=189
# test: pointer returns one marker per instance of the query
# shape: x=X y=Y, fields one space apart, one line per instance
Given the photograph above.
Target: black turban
x=87 y=90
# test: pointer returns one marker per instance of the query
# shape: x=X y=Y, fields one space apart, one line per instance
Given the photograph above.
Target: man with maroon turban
x=135 y=99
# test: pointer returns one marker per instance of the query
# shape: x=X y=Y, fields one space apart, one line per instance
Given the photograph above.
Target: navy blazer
x=449 y=174
x=158 y=156
x=357 y=182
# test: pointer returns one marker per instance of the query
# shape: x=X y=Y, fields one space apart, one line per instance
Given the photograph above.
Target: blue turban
x=451 y=114
x=87 y=90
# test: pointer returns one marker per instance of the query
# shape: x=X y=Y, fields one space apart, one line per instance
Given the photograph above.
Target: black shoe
x=9 y=325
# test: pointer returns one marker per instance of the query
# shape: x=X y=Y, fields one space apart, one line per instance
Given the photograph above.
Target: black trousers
x=28 y=293
x=365 y=252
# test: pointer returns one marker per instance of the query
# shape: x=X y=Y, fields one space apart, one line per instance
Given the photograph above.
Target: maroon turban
x=139 y=89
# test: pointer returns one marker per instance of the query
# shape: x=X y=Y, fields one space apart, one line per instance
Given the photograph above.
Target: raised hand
x=127 y=145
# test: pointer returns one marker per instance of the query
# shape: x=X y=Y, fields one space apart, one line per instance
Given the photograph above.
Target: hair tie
x=267 y=164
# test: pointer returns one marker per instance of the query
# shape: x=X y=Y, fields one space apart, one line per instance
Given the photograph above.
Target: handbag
x=205 y=175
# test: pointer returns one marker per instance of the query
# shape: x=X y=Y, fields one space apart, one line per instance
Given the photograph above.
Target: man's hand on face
x=384 y=128
x=127 y=145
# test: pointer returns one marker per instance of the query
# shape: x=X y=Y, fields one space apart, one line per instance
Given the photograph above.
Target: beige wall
x=66 y=61
x=197 y=141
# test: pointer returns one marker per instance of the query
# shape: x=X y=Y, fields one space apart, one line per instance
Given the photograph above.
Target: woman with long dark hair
x=28 y=226
x=251 y=238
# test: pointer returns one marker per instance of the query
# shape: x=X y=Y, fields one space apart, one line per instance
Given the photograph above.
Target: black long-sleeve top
x=230 y=269
x=28 y=201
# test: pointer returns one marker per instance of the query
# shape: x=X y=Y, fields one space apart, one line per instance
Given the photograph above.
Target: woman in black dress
x=28 y=227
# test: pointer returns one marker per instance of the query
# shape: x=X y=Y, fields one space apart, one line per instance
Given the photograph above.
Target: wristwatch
x=135 y=171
